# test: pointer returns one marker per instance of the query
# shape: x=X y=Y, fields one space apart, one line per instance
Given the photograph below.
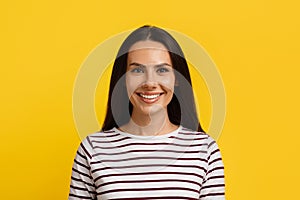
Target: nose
x=150 y=81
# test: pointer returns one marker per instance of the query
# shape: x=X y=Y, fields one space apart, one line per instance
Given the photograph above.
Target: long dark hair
x=181 y=109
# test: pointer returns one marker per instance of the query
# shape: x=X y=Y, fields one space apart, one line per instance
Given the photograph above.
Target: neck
x=157 y=123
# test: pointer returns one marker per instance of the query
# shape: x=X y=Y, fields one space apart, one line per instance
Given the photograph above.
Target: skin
x=150 y=81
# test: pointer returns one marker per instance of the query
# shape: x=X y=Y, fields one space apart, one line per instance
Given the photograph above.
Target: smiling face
x=150 y=77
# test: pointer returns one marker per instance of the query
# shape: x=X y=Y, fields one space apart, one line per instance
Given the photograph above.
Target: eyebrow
x=144 y=66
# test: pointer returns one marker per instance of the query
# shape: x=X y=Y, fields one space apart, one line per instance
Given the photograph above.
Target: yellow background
x=255 y=45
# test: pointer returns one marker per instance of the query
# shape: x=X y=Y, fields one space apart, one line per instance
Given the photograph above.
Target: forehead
x=146 y=52
x=148 y=44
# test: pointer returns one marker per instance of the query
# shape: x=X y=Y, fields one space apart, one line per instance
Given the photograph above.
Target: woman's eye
x=163 y=70
x=137 y=70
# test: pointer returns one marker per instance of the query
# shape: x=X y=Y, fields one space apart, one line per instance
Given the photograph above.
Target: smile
x=149 y=98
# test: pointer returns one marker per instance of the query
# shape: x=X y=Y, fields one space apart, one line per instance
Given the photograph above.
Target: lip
x=149 y=100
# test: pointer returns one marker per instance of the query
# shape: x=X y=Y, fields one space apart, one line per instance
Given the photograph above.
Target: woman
x=151 y=145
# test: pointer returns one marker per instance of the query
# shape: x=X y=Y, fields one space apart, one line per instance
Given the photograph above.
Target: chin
x=153 y=109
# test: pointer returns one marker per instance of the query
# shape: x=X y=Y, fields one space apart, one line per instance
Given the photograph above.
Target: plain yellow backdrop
x=255 y=45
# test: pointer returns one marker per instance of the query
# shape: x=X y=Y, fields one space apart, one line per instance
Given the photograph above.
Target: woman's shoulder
x=98 y=136
x=188 y=131
x=92 y=140
x=198 y=134
x=101 y=134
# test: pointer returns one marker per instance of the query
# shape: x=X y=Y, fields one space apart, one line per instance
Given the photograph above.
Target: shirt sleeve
x=82 y=185
x=213 y=187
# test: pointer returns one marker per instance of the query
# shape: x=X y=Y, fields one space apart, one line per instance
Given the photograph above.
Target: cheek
x=132 y=83
x=168 y=82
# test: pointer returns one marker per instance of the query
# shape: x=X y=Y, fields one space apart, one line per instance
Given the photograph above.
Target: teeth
x=150 y=96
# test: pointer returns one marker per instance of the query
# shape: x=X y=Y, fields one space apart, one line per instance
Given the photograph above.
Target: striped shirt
x=183 y=164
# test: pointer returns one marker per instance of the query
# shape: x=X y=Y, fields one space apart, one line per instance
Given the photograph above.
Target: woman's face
x=150 y=77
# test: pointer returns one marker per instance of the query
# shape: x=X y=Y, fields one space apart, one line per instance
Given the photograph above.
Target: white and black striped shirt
x=183 y=164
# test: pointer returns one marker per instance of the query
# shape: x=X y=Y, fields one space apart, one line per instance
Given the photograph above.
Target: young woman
x=151 y=145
